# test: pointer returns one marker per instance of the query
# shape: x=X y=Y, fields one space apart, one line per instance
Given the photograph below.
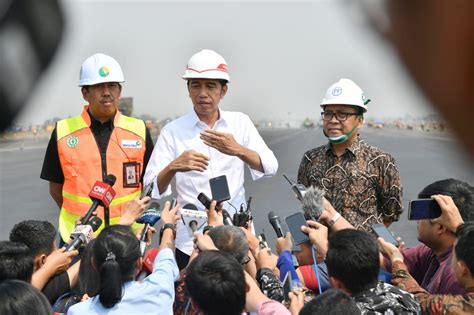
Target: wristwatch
x=334 y=219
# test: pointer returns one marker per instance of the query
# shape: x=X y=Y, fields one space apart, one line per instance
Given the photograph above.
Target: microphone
x=276 y=223
x=227 y=218
x=192 y=218
x=82 y=234
x=313 y=203
x=147 y=265
x=151 y=215
x=101 y=195
x=193 y=223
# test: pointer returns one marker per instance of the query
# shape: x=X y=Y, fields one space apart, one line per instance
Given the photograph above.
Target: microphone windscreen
x=110 y=179
x=271 y=215
x=313 y=203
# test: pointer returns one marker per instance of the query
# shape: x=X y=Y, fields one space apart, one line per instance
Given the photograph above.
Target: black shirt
x=52 y=170
x=56 y=286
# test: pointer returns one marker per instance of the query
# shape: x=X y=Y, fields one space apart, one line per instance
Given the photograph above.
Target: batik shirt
x=432 y=303
x=363 y=184
x=386 y=299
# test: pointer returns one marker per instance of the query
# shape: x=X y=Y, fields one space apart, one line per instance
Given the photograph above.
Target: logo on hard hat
x=336 y=91
x=222 y=67
x=104 y=71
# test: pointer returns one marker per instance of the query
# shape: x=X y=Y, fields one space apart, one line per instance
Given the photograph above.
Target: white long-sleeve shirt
x=183 y=134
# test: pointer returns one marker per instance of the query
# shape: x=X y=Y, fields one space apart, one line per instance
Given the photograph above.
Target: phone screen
x=294 y=223
x=382 y=231
x=421 y=209
x=287 y=286
x=219 y=188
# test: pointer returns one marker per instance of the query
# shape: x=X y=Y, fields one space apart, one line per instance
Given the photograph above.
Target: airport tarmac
x=422 y=158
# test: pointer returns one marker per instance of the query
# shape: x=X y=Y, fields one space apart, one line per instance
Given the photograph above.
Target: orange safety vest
x=82 y=166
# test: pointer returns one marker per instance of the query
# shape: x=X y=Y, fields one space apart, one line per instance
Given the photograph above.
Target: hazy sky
x=282 y=56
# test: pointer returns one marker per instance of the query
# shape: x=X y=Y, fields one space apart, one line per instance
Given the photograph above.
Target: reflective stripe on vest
x=81 y=164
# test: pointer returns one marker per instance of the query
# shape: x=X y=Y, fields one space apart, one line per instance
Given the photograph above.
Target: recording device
x=287 y=286
x=83 y=234
x=147 y=265
x=421 y=209
x=313 y=203
x=147 y=190
x=101 y=195
x=244 y=216
x=193 y=219
x=150 y=216
x=227 y=218
x=262 y=240
x=294 y=223
x=382 y=231
x=219 y=188
x=298 y=189
x=276 y=223
x=204 y=199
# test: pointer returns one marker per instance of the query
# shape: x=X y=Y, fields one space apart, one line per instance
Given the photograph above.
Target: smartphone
x=204 y=199
x=294 y=223
x=287 y=286
x=421 y=209
x=382 y=231
x=147 y=190
x=219 y=188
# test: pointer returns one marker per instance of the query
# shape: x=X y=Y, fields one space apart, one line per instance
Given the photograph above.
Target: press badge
x=131 y=174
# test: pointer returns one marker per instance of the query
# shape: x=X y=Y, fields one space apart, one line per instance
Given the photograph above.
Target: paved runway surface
x=422 y=159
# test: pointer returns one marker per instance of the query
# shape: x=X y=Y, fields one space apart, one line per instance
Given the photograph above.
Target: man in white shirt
x=205 y=143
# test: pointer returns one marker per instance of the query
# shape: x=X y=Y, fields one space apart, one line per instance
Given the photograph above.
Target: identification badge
x=131 y=174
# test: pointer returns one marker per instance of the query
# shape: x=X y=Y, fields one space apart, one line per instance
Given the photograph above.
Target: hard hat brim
x=211 y=75
x=94 y=82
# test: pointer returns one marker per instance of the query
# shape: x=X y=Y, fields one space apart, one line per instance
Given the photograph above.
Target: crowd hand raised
x=214 y=217
x=222 y=142
x=190 y=161
x=284 y=243
x=318 y=234
x=265 y=259
x=450 y=216
x=59 y=260
x=390 y=250
x=296 y=301
x=170 y=215
x=149 y=234
x=203 y=242
x=133 y=210
x=254 y=242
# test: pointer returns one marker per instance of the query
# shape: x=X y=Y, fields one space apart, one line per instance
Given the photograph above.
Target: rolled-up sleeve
x=255 y=142
x=162 y=155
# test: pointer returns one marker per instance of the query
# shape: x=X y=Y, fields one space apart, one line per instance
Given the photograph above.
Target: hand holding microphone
x=149 y=218
x=83 y=234
x=276 y=223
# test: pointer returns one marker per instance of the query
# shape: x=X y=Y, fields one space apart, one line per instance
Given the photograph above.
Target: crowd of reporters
x=339 y=270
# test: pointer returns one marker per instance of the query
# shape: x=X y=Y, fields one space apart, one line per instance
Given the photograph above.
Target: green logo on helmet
x=72 y=141
x=103 y=72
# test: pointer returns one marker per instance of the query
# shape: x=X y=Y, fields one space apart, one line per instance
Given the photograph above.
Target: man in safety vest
x=361 y=181
x=101 y=141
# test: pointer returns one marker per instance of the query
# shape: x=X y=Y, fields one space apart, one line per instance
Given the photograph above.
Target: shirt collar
x=353 y=148
x=96 y=123
x=444 y=256
x=194 y=120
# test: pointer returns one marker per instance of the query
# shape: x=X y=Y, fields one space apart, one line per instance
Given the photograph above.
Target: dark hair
x=88 y=279
x=19 y=297
x=16 y=261
x=353 y=259
x=232 y=240
x=464 y=248
x=461 y=192
x=115 y=251
x=216 y=283
x=332 y=301
x=39 y=236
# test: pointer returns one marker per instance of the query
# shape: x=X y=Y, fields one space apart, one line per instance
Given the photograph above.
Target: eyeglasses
x=341 y=116
x=246 y=260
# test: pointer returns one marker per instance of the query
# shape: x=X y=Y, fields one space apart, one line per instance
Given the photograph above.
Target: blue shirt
x=154 y=295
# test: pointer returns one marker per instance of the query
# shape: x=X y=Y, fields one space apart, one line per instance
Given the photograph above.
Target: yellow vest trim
x=133 y=125
x=69 y=125
x=114 y=202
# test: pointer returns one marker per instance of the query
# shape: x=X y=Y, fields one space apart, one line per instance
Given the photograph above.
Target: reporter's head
x=19 y=297
x=353 y=260
x=16 y=261
x=115 y=255
x=463 y=264
x=232 y=240
x=216 y=282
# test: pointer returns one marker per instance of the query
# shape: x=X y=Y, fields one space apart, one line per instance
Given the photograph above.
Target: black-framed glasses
x=341 y=116
x=246 y=260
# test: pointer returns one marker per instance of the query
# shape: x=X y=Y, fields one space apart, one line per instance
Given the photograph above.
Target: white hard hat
x=206 y=64
x=345 y=92
x=100 y=68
